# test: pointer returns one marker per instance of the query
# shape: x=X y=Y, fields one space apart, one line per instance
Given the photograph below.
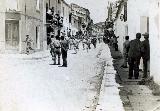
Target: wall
x=2 y=28
x=136 y=10
x=120 y=30
x=155 y=39
x=31 y=18
x=66 y=9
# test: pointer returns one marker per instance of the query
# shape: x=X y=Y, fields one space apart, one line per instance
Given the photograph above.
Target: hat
x=146 y=34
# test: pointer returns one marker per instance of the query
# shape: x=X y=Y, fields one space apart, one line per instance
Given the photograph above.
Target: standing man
x=55 y=47
x=134 y=56
x=64 y=49
x=52 y=39
x=125 y=51
x=145 y=54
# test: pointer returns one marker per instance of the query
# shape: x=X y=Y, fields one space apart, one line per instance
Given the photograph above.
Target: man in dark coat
x=134 y=56
x=145 y=54
x=64 y=49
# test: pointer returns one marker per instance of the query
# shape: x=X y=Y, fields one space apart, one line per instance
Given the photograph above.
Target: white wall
x=155 y=40
x=136 y=10
x=120 y=31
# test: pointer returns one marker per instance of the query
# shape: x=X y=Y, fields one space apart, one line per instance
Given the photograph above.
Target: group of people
x=74 y=44
x=59 y=46
x=86 y=42
x=133 y=51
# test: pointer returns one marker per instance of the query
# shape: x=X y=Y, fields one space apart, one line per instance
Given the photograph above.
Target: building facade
x=154 y=31
x=82 y=15
x=65 y=13
x=29 y=17
x=19 y=19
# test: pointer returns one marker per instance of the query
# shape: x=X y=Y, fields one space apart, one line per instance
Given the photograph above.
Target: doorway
x=12 y=35
x=37 y=38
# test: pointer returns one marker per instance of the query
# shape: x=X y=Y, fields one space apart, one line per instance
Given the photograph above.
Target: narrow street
x=37 y=85
x=80 y=55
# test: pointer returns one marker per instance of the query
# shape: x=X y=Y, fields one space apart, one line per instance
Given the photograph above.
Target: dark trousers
x=145 y=68
x=134 y=67
x=64 y=57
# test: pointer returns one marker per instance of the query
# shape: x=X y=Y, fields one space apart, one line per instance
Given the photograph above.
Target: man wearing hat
x=145 y=54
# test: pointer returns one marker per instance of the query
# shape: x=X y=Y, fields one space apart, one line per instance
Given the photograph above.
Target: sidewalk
x=36 y=55
x=135 y=97
x=109 y=99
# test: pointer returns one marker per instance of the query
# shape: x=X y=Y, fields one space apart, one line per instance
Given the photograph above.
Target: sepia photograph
x=80 y=55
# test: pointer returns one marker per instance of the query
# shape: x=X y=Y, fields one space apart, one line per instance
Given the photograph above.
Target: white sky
x=98 y=8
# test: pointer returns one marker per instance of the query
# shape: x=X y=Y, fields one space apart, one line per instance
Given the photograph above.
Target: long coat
x=146 y=49
x=135 y=49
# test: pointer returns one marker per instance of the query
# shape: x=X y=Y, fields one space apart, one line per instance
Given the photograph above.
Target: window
x=47 y=7
x=58 y=11
x=59 y=1
x=37 y=38
x=49 y=3
x=125 y=12
x=63 y=11
x=144 y=24
x=38 y=5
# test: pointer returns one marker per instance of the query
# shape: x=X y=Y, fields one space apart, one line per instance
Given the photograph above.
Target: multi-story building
x=74 y=24
x=29 y=17
x=18 y=19
x=82 y=15
x=52 y=16
x=66 y=14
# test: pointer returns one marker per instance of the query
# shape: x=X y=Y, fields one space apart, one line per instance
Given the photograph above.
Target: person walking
x=134 y=56
x=83 y=43
x=125 y=51
x=64 y=49
x=76 y=45
x=145 y=54
x=28 y=42
x=88 y=44
x=55 y=47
